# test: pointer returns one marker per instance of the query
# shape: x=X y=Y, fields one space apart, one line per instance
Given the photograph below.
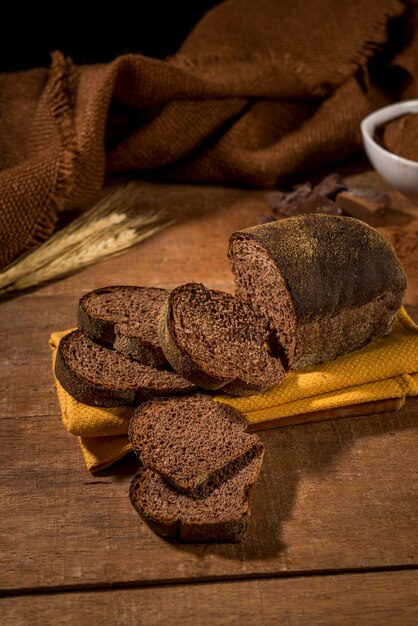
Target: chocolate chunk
x=330 y=186
x=274 y=199
x=364 y=203
x=313 y=203
x=299 y=192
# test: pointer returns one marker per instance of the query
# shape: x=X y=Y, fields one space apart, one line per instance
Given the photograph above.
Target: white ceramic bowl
x=401 y=173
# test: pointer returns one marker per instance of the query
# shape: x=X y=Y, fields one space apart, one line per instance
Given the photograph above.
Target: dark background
x=30 y=34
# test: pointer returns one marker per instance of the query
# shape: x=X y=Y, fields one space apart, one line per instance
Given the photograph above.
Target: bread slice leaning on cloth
x=100 y=376
x=217 y=341
x=327 y=284
x=188 y=439
x=217 y=512
x=125 y=317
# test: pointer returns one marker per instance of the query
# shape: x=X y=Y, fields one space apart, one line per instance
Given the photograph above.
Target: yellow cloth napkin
x=386 y=368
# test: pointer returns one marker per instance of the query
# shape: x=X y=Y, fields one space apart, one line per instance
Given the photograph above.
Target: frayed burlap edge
x=60 y=93
x=373 y=42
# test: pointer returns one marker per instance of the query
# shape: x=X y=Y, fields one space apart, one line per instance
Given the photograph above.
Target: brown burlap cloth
x=258 y=90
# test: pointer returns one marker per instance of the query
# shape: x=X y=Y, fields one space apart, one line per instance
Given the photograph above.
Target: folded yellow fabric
x=386 y=368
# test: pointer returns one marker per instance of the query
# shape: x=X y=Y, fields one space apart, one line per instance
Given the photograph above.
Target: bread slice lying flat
x=216 y=340
x=100 y=376
x=327 y=284
x=125 y=317
x=187 y=440
x=217 y=512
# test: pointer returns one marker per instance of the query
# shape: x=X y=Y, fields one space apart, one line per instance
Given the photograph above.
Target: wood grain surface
x=335 y=509
x=338 y=495
x=389 y=600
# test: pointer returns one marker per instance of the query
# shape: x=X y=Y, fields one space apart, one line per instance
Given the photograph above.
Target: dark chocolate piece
x=363 y=203
x=330 y=186
x=313 y=203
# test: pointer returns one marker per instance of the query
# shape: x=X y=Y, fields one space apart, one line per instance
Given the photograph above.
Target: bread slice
x=100 y=376
x=125 y=317
x=216 y=340
x=187 y=440
x=218 y=511
x=328 y=284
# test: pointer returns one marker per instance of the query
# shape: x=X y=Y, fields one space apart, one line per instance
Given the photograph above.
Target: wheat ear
x=112 y=225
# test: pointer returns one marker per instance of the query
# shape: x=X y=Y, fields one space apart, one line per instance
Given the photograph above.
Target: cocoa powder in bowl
x=400 y=136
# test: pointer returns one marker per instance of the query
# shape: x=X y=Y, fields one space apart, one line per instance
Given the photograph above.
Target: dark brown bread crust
x=85 y=391
x=201 y=517
x=179 y=359
x=139 y=350
x=344 y=280
x=189 y=439
x=180 y=353
x=229 y=531
x=107 y=395
x=330 y=263
x=114 y=331
x=239 y=388
x=102 y=331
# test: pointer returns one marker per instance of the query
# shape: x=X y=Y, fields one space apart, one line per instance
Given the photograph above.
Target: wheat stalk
x=109 y=227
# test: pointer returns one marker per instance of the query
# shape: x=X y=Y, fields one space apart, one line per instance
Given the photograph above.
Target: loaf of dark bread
x=328 y=284
x=100 y=376
x=216 y=340
x=188 y=440
x=217 y=512
x=125 y=317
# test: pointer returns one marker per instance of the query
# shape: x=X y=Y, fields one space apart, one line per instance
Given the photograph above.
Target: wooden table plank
x=389 y=598
x=332 y=496
x=335 y=495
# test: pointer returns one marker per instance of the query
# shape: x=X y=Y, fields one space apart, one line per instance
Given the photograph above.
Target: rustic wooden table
x=332 y=538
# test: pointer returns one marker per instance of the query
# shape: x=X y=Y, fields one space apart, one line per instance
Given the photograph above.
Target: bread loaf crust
x=179 y=359
x=107 y=395
x=205 y=516
x=139 y=350
x=319 y=255
x=343 y=277
x=97 y=329
x=228 y=531
x=86 y=391
x=108 y=331
x=153 y=434
x=179 y=352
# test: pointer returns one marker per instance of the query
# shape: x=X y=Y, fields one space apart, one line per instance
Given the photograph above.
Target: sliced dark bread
x=216 y=513
x=125 y=317
x=100 y=376
x=328 y=284
x=216 y=340
x=187 y=440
